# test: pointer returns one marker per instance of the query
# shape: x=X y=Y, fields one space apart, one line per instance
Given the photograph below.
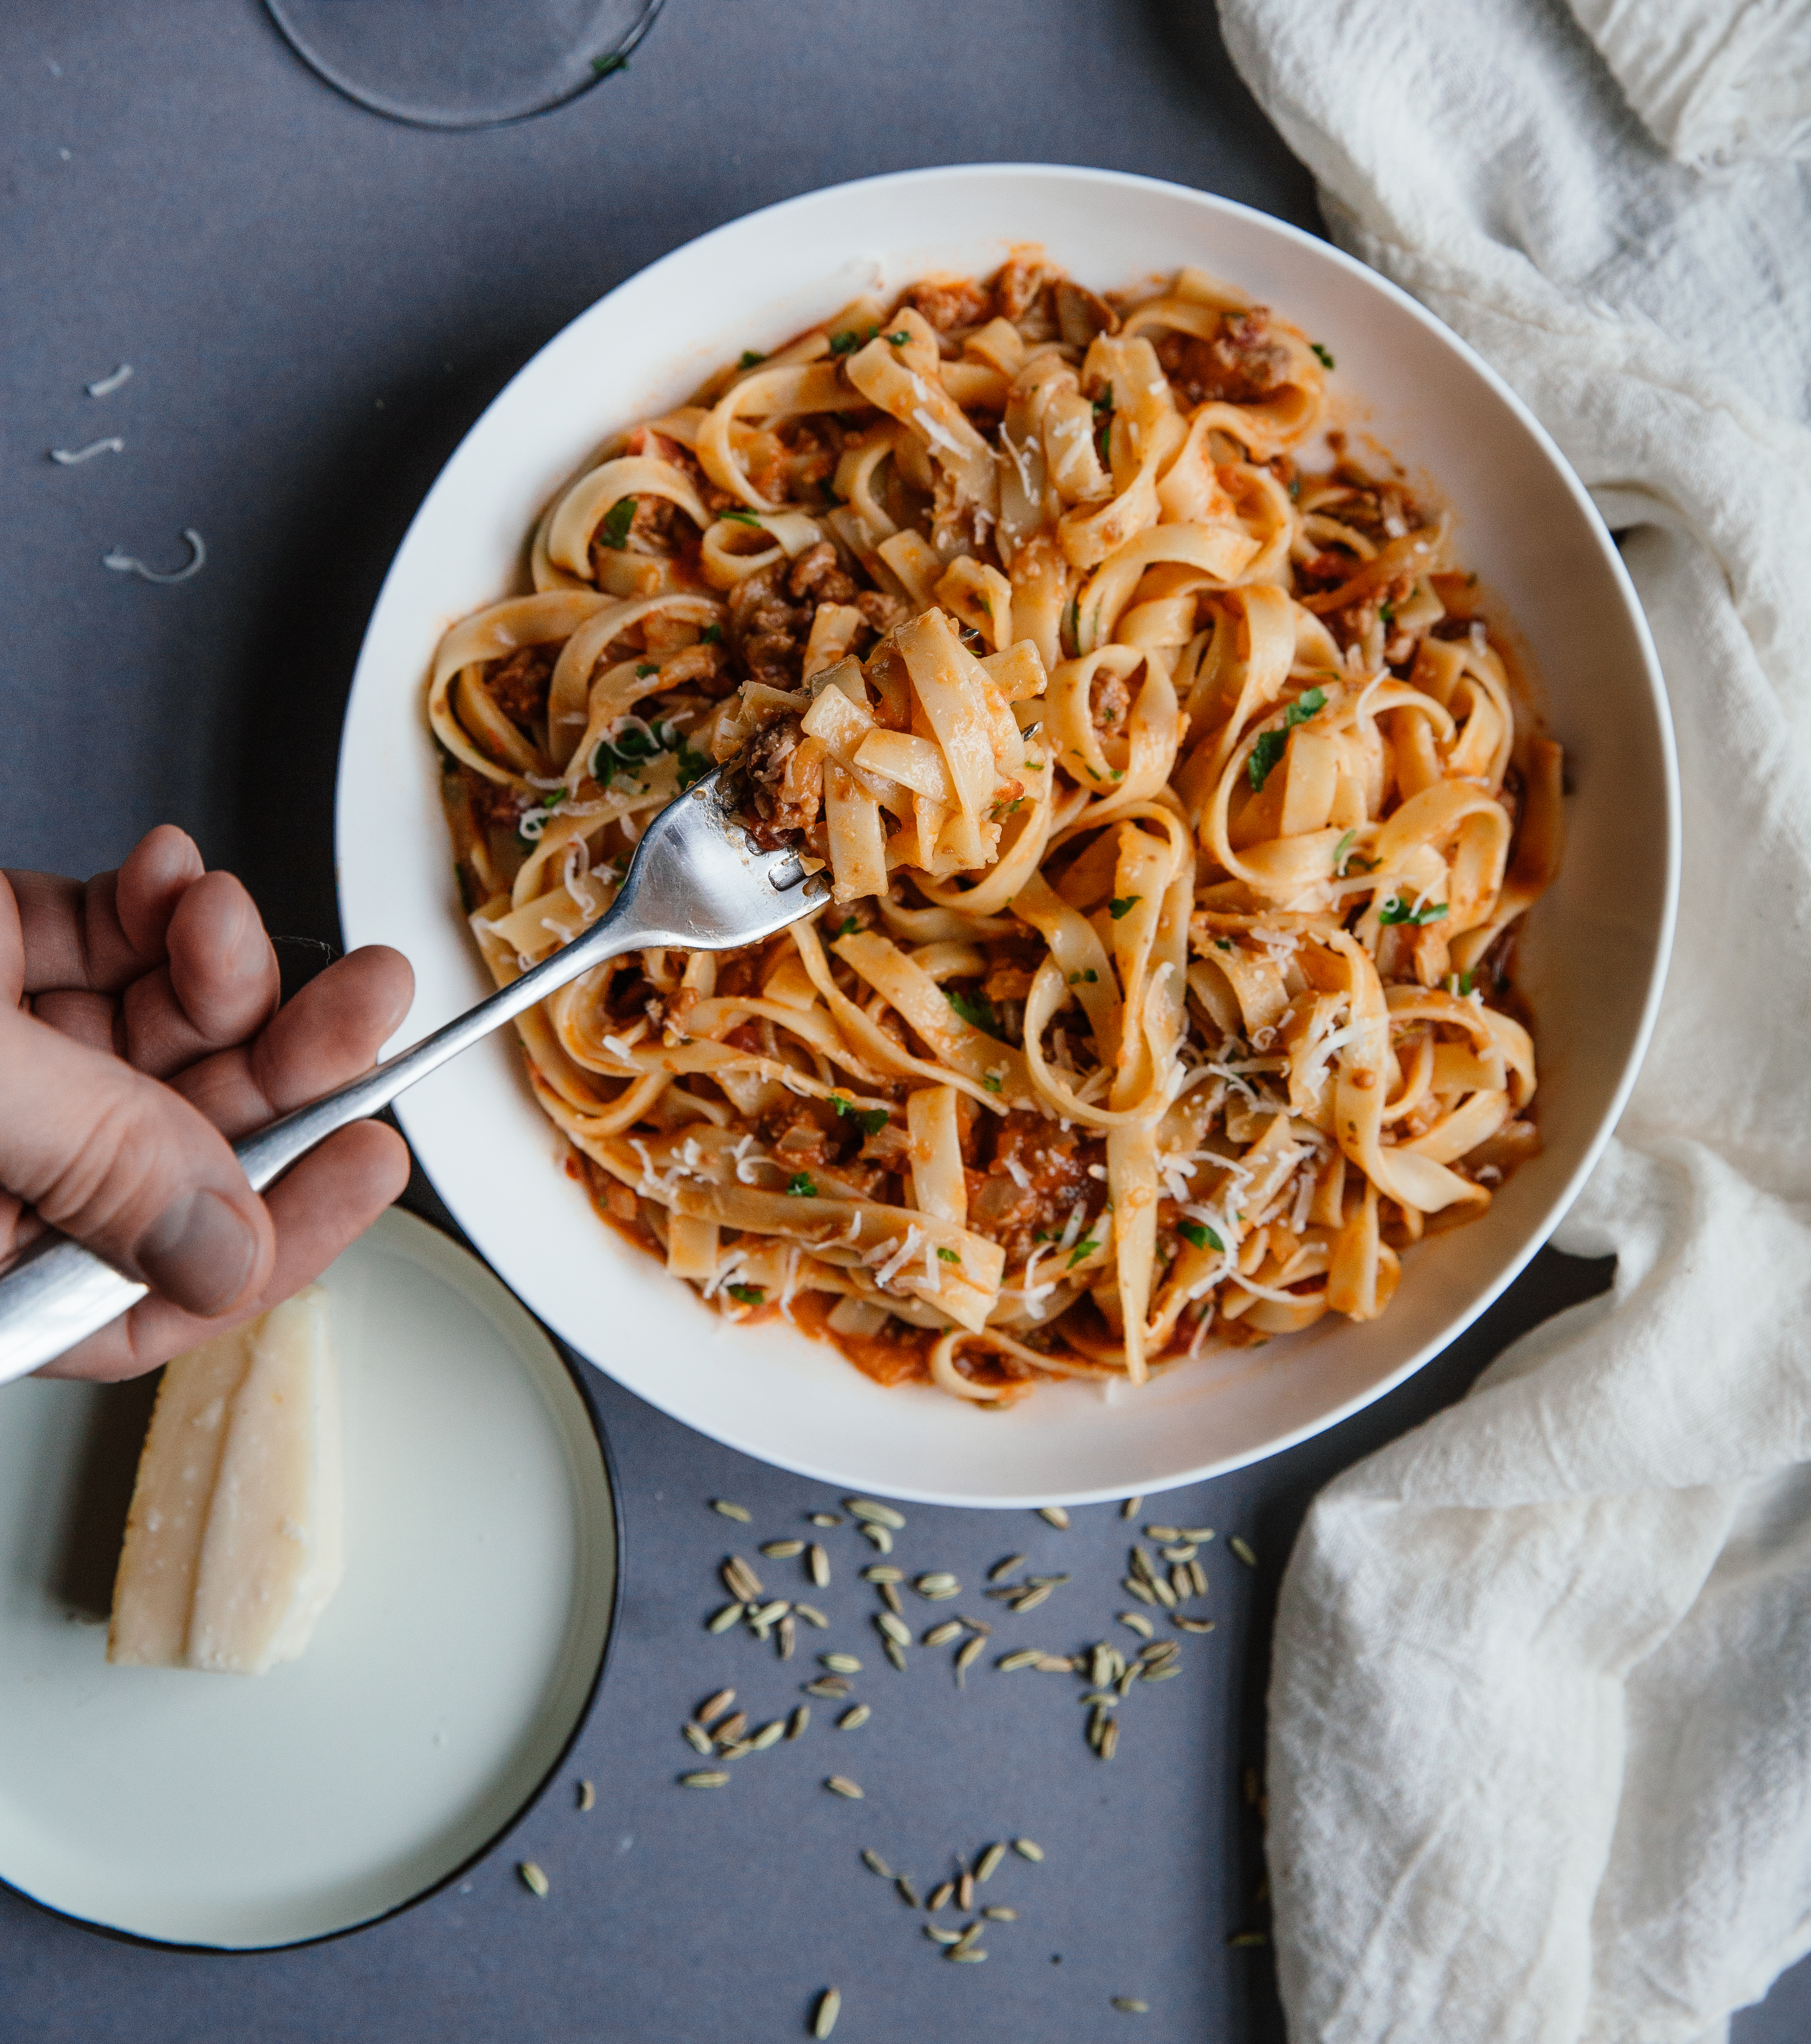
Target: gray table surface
x=316 y=303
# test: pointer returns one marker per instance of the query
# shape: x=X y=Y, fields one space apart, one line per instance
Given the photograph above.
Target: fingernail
x=199 y=1253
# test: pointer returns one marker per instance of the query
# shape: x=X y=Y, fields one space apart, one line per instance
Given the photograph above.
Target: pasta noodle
x=1178 y=805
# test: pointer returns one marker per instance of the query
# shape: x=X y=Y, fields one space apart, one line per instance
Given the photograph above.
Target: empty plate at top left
x=443 y=1683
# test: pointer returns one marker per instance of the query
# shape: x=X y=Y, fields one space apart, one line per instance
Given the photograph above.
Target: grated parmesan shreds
x=122 y=563
x=105 y=386
x=69 y=458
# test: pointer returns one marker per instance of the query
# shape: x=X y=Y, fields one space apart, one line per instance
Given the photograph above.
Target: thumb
x=129 y=1168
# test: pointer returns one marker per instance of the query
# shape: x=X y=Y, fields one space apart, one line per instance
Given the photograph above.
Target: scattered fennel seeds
x=812 y=1615
x=1054 y=1515
x=826 y=1518
x=1004 y=1568
x=769 y=1734
x=714 y=1707
x=1126 y=2006
x=696 y=1737
x=532 y=1879
x=1243 y=1938
x=941 y=1635
x=1028 y=1849
x=854 y=1717
x=829 y=2008
x=796 y=1723
x=730 y=1510
x=721 y=1621
x=781 y=1550
x=1132 y=1508
x=587 y=1797
x=908 y=1894
x=940 y=1897
x=841 y=1664
x=1242 y=1548
x=706 y=1778
x=999 y=1913
x=988 y=1864
x=819 y=1563
x=874 y=1864
x=841 y=1785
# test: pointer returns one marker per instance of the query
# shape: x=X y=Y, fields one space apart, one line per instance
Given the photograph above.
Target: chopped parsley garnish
x=976 y=1009
x=1459 y=983
x=1304 y=707
x=602 y=66
x=1082 y=1249
x=614 y=530
x=1103 y=426
x=1120 y=906
x=947 y=1256
x=846 y=927
x=711 y=636
x=1339 y=851
x=1386 y=611
x=899 y=339
x=1265 y=754
x=871 y=1120
x=802 y=1185
x=1325 y=354
x=1222 y=944
x=742 y=518
x=1202 y=1236
x=747 y=1295
x=643 y=669
x=633 y=745
x=1295 y=490
x=1397 y=910
x=991 y=1081
x=847 y=344
x=1089 y=975
x=1072 y=624
x=750 y=357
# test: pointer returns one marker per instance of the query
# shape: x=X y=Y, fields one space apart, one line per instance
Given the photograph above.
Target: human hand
x=139 y=1035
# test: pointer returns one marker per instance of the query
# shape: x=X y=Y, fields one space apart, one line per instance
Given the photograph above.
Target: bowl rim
x=1537 y=1234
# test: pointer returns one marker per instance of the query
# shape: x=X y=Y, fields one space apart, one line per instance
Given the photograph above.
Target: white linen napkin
x=1540 y=1746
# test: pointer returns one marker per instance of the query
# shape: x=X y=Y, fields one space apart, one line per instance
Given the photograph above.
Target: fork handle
x=57 y=1294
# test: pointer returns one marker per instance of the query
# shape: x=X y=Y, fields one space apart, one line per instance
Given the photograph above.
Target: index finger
x=97 y=936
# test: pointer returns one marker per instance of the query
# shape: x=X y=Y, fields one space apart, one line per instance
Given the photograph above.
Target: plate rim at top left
x=413 y=1870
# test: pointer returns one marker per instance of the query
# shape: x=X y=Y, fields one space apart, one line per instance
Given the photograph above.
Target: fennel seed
x=854 y=1717
x=841 y=1664
x=986 y=1866
x=812 y=1615
x=1127 y=2006
x=908 y=1894
x=729 y=1511
x=870 y=1513
x=769 y=1734
x=1132 y=1508
x=826 y=1518
x=1028 y=1849
x=710 y=1778
x=532 y=1879
x=940 y=1896
x=829 y=2008
x=714 y=1707
x=941 y=1635
x=1242 y=1549
x=1004 y=1568
x=1138 y=1622
x=818 y=1562
x=588 y=1793
x=731 y=1729
x=1054 y=1515
x=874 y=1864
x=721 y=1621
x=999 y=1913
x=841 y=1785
x=696 y=1737
x=781 y=1550
x=1023 y=1657
x=796 y=1723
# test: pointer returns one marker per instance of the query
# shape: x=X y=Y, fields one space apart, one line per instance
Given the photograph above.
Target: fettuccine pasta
x=1179 y=810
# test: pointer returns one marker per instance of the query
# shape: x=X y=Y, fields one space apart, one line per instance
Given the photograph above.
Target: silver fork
x=694 y=883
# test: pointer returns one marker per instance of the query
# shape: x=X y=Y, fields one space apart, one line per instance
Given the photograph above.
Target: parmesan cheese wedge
x=234 y=1542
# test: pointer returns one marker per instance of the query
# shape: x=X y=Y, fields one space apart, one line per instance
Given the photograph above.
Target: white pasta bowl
x=1591 y=964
